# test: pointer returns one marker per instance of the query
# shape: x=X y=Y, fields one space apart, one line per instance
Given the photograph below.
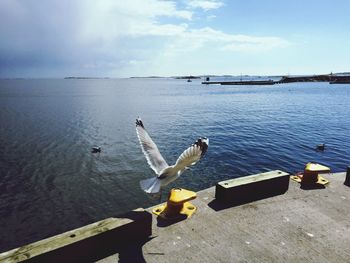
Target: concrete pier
x=300 y=225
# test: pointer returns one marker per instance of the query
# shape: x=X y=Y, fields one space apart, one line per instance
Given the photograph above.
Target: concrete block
x=253 y=187
x=88 y=243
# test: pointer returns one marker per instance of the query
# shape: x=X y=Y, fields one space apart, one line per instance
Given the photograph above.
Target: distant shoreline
x=85 y=78
x=342 y=76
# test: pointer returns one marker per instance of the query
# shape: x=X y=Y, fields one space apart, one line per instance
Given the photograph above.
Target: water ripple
x=50 y=181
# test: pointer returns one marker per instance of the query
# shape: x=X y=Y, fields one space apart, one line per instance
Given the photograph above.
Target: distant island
x=187 y=77
x=149 y=77
x=85 y=78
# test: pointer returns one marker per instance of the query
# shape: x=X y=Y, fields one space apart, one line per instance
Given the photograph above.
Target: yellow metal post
x=177 y=205
x=311 y=174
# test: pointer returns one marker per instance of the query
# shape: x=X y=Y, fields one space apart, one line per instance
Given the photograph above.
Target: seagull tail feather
x=151 y=185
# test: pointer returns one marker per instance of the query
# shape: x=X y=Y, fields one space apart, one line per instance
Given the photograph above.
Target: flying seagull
x=166 y=174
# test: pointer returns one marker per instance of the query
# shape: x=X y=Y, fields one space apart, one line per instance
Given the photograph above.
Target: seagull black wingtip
x=202 y=144
x=139 y=123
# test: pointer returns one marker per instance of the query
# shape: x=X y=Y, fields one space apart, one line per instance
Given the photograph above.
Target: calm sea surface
x=50 y=182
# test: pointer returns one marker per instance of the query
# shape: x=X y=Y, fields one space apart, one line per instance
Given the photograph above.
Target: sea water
x=50 y=181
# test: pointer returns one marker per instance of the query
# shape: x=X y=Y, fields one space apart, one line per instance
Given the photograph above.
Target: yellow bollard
x=177 y=205
x=311 y=174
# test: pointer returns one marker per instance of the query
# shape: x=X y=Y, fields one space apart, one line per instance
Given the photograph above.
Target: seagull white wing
x=192 y=154
x=150 y=149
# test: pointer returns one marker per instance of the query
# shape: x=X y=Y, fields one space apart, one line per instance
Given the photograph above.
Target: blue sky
x=107 y=38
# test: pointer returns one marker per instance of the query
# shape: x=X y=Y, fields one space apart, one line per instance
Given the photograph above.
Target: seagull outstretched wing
x=192 y=154
x=150 y=149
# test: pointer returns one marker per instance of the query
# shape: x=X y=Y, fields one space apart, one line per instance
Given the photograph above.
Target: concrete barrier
x=88 y=243
x=253 y=187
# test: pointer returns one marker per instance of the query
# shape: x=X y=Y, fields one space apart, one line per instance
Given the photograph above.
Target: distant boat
x=189 y=80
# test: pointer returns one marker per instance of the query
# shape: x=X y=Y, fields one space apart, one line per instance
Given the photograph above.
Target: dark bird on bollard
x=96 y=149
x=321 y=147
x=166 y=174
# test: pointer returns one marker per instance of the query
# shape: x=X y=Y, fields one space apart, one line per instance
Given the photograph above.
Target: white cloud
x=112 y=20
x=216 y=40
x=110 y=37
x=109 y=19
x=211 y=17
x=205 y=5
x=256 y=44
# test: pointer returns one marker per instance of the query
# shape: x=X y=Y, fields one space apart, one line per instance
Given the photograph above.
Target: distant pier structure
x=249 y=82
x=340 y=78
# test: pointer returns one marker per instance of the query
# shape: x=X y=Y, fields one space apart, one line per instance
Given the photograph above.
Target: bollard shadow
x=161 y=222
x=312 y=186
x=132 y=252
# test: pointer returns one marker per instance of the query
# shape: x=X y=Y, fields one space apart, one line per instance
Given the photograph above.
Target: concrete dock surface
x=299 y=226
